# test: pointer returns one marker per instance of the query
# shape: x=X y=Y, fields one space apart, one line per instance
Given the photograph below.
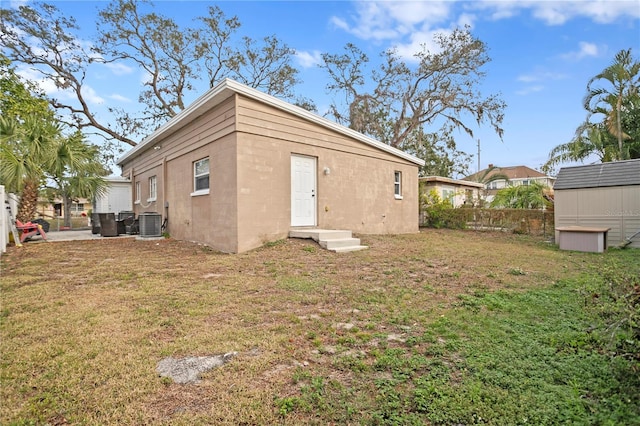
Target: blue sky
x=543 y=54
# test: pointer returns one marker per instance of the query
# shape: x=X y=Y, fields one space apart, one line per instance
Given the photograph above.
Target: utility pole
x=478 y=155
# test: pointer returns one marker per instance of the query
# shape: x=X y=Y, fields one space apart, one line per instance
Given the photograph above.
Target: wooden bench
x=583 y=238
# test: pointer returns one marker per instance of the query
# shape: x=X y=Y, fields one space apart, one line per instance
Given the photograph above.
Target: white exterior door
x=303 y=191
x=120 y=198
x=117 y=198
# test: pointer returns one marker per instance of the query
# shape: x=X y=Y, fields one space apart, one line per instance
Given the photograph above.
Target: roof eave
x=235 y=87
x=452 y=181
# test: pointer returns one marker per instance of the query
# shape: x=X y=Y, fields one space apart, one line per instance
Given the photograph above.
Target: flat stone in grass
x=188 y=369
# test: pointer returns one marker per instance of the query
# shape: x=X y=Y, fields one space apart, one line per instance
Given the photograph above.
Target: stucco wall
x=212 y=218
x=249 y=145
x=616 y=207
x=357 y=194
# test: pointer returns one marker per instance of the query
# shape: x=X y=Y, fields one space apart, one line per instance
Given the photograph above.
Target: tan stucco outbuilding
x=239 y=168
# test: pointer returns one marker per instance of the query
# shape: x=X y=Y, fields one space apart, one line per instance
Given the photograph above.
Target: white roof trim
x=116 y=179
x=451 y=181
x=209 y=99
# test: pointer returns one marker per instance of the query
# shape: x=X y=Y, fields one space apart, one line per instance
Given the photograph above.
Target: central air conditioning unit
x=150 y=224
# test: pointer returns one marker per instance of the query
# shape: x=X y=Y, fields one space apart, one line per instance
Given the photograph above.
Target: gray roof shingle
x=618 y=173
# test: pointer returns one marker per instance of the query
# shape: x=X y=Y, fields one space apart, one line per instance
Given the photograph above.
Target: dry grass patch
x=85 y=323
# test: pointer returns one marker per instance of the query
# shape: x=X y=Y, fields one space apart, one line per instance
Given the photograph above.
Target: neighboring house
x=459 y=192
x=239 y=168
x=603 y=195
x=47 y=210
x=517 y=175
x=117 y=198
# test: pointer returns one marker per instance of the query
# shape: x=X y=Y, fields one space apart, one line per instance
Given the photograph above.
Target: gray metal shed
x=603 y=195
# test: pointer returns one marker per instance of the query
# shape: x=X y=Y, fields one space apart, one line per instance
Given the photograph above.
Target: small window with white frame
x=201 y=177
x=448 y=195
x=152 y=188
x=137 y=200
x=397 y=185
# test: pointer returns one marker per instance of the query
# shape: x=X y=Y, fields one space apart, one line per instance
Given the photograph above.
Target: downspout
x=165 y=222
x=133 y=191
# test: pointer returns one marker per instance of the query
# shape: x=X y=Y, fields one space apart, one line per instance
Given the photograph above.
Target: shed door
x=303 y=191
x=119 y=198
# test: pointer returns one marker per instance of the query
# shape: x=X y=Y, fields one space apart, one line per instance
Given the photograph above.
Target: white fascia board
x=451 y=181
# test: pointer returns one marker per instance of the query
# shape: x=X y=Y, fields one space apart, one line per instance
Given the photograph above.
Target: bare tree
x=156 y=44
x=43 y=39
x=391 y=102
x=129 y=32
x=266 y=67
x=216 y=44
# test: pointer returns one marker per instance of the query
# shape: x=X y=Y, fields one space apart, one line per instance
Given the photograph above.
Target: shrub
x=439 y=213
x=617 y=300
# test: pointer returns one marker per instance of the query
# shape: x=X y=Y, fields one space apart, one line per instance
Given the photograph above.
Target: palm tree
x=34 y=152
x=521 y=197
x=25 y=150
x=590 y=140
x=623 y=77
x=487 y=176
x=76 y=171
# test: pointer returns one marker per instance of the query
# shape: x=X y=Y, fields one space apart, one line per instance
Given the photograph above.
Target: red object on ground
x=29 y=229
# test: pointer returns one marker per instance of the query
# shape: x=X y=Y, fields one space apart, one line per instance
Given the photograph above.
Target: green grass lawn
x=441 y=327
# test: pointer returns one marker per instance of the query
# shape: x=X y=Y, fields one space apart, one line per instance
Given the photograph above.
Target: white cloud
x=118 y=68
x=467 y=19
x=414 y=13
x=530 y=89
x=585 y=50
x=536 y=81
x=540 y=76
x=391 y=20
x=606 y=12
x=91 y=96
x=339 y=23
x=119 y=98
x=418 y=39
x=551 y=13
x=32 y=75
x=371 y=22
x=53 y=91
x=309 y=59
x=407 y=25
x=145 y=77
x=559 y=12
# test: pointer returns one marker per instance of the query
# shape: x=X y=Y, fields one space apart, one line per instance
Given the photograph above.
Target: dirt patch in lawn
x=85 y=323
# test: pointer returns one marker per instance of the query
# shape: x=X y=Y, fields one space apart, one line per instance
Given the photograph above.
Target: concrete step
x=333 y=243
x=349 y=248
x=339 y=241
x=319 y=234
